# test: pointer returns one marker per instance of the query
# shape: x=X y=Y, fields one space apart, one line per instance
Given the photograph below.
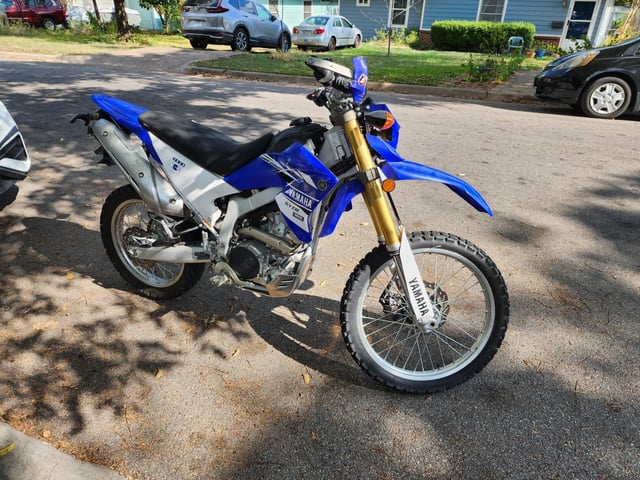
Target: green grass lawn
x=81 y=41
x=403 y=65
x=399 y=65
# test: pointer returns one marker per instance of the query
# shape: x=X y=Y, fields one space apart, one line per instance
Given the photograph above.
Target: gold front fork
x=408 y=272
x=374 y=197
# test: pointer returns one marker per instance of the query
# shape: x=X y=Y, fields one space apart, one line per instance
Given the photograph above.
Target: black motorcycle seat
x=207 y=147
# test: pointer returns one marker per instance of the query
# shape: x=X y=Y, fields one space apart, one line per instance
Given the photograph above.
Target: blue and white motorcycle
x=422 y=312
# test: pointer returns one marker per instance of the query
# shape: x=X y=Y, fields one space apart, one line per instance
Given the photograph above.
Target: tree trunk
x=631 y=25
x=124 y=30
x=97 y=12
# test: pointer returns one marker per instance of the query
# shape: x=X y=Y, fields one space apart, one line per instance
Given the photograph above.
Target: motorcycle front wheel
x=466 y=289
x=124 y=214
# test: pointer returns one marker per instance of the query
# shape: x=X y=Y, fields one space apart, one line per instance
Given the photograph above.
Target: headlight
x=579 y=59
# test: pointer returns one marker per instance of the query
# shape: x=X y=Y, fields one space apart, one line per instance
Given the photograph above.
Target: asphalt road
x=214 y=385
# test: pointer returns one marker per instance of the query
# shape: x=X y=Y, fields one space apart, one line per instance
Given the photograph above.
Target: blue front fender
x=398 y=168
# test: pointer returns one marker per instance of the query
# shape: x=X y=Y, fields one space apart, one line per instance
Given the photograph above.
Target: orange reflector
x=388 y=185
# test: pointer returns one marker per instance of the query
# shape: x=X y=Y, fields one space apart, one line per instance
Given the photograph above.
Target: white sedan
x=326 y=32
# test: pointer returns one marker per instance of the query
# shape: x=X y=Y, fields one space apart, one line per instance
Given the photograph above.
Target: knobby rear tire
x=122 y=211
x=467 y=289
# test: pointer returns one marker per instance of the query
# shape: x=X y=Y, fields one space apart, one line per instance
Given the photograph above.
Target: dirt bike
x=422 y=312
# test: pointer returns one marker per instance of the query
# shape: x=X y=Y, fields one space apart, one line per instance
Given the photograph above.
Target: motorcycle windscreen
x=308 y=182
x=360 y=79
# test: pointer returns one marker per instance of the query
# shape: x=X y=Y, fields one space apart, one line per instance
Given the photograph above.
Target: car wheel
x=332 y=44
x=240 y=40
x=196 y=45
x=284 y=44
x=48 y=23
x=607 y=97
x=357 y=41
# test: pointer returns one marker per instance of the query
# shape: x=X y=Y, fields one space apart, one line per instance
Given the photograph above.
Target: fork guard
x=397 y=168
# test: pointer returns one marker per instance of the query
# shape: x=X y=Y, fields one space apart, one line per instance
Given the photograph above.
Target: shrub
x=414 y=41
x=487 y=37
x=493 y=69
x=579 y=44
x=402 y=36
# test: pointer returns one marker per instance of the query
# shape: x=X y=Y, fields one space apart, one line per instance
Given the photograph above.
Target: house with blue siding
x=556 y=21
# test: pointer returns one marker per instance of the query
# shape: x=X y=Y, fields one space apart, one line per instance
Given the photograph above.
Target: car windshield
x=316 y=21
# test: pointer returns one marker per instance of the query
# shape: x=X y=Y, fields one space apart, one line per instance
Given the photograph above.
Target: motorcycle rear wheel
x=123 y=211
x=466 y=288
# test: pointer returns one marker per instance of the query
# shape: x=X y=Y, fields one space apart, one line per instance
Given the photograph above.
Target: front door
x=580 y=21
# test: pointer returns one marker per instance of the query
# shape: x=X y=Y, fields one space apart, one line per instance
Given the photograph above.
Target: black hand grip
x=341 y=83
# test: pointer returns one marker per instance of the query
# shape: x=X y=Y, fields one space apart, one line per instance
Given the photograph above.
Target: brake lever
x=319 y=97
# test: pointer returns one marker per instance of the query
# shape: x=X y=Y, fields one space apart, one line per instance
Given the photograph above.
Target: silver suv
x=240 y=23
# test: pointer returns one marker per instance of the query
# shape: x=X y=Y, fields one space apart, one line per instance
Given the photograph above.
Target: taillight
x=217 y=10
x=296 y=31
x=186 y=9
x=318 y=31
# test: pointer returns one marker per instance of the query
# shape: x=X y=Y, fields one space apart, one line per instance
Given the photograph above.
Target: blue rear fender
x=125 y=113
x=398 y=168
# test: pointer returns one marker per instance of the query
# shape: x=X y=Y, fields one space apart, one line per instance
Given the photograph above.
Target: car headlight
x=579 y=59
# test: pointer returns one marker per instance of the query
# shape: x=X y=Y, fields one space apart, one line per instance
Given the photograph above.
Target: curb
x=23 y=457
x=485 y=94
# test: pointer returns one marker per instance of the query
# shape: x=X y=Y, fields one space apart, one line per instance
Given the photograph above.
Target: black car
x=602 y=82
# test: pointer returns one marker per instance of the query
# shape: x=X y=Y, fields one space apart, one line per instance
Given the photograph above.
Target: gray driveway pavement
x=224 y=384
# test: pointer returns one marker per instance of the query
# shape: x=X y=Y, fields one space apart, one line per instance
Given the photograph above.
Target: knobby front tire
x=124 y=213
x=464 y=285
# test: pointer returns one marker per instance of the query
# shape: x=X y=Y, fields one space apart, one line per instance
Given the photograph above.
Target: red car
x=39 y=13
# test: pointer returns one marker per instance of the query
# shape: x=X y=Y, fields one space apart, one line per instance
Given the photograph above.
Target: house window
x=306 y=8
x=362 y=3
x=491 y=10
x=399 y=9
x=273 y=6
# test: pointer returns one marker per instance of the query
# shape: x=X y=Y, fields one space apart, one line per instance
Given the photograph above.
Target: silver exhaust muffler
x=154 y=189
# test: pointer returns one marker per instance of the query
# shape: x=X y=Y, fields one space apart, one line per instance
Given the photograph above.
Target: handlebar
x=331 y=74
x=328 y=97
x=330 y=79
